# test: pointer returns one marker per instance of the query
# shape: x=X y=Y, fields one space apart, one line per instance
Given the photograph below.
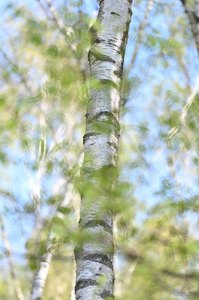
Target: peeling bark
x=94 y=258
x=192 y=10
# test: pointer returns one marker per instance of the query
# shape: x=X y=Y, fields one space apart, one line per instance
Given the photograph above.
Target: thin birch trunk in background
x=8 y=253
x=42 y=272
x=94 y=257
x=192 y=10
x=40 y=277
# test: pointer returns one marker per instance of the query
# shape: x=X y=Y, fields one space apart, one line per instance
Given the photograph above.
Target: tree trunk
x=42 y=273
x=94 y=255
x=192 y=11
x=39 y=280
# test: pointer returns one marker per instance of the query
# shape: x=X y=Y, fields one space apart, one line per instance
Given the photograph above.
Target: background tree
x=192 y=10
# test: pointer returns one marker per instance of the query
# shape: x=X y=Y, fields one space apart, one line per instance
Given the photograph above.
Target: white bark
x=192 y=10
x=94 y=259
x=40 y=277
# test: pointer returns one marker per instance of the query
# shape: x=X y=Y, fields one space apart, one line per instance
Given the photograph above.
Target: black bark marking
x=104 y=127
x=130 y=11
x=106 y=294
x=118 y=73
x=124 y=39
x=88 y=135
x=125 y=36
x=100 y=56
x=100 y=258
x=114 y=13
x=114 y=145
x=94 y=223
x=82 y=283
x=112 y=42
x=98 y=41
x=196 y=18
x=110 y=118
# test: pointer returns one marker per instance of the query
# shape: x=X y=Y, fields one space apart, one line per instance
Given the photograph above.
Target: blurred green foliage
x=44 y=94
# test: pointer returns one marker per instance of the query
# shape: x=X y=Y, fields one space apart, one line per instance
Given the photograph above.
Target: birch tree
x=44 y=91
x=94 y=259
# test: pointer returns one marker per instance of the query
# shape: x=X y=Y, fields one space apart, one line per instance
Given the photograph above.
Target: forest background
x=43 y=99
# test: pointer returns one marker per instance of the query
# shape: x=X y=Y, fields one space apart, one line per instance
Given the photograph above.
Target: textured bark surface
x=192 y=10
x=94 y=257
